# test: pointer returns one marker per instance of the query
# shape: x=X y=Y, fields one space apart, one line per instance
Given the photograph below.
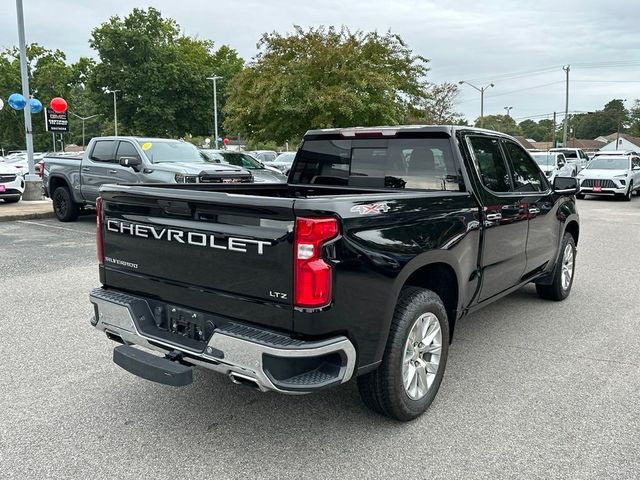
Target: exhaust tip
x=245 y=380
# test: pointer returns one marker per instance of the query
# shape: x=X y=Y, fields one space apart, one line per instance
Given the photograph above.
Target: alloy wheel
x=60 y=205
x=567 y=266
x=422 y=356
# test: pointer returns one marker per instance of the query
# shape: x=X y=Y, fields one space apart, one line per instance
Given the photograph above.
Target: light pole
x=115 y=110
x=481 y=90
x=32 y=181
x=83 y=119
x=508 y=109
x=566 y=108
x=215 y=108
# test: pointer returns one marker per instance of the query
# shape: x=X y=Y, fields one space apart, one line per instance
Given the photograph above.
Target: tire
x=12 y=199
x=627 y=197
x=383 y=390
x=65 y=209
x=580 y=196
x=559 y=289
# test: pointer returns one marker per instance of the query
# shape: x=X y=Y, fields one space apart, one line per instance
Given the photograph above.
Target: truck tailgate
x=231 y=255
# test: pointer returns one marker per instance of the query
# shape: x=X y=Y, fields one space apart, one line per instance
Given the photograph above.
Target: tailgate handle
x=175 y=208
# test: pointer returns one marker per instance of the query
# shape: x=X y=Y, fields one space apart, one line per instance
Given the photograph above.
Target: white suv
x=617 y=175
x=11 y=183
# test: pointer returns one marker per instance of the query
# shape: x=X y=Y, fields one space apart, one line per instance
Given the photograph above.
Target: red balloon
x=225 y=141
x=58 y=104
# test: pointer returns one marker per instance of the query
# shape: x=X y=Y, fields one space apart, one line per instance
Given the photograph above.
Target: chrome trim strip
x=241 y=356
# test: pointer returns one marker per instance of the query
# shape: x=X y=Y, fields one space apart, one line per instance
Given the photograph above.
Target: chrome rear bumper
x=246 y=354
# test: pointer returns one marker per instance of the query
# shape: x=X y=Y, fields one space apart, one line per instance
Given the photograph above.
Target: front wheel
x=627 y=197
x=562 y=276
x=408 y=379
x=12 y=199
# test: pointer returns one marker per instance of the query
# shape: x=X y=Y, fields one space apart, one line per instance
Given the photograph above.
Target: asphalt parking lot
x=533 y=389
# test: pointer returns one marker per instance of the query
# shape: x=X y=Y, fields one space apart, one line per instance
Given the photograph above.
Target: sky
x=519 y=46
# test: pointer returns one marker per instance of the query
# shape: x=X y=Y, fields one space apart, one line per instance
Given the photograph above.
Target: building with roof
x=622 y=141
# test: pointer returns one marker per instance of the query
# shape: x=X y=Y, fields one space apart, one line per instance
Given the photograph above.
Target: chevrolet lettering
x=190 y=238
x=381 y=241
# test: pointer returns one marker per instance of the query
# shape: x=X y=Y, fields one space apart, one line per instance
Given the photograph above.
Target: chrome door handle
x=534 y=210
x=494 y=216
x=113 y=171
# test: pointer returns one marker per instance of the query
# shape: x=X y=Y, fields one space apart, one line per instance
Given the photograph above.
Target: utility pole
x=115 y=111
x=32 y=181
x=508 y=109
x=553 y=132
x=215 y=108
x=83 y=119
x=566 y=108
x=481 y=90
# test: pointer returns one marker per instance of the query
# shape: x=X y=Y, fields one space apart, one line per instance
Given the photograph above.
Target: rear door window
x=103 y=151
x=425 y=163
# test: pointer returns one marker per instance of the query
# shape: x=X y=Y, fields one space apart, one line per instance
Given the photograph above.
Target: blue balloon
x=35 y=105
x=17 y=101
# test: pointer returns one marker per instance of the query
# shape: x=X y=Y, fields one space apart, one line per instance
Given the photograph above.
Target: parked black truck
x=359 y=267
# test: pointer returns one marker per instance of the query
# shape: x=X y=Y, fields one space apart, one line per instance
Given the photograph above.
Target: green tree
x=634 y=119
x=541 y=131
x=49 y=76
x=160 y=73
x=323 y=77
x=437 y=107
x=501 y=123
x=601 y=122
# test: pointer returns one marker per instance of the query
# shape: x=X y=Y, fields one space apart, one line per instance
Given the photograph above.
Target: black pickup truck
x=360 y=266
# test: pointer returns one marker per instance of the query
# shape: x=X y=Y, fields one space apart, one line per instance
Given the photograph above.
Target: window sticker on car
x=146 y=146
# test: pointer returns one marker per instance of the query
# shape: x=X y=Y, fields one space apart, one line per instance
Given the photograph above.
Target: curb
x=26 y=216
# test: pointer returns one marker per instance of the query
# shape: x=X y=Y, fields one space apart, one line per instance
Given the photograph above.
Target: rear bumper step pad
x=151 y=367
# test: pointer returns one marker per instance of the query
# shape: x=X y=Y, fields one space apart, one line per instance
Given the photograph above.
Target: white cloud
x=468 y=40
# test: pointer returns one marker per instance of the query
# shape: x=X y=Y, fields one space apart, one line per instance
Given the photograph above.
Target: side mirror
x=566 y=185
x=561 y=164
x=133 y=162
x=636 y=167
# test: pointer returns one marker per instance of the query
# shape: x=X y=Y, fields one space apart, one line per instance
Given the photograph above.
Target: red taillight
x=99 y=243
x=312 y=274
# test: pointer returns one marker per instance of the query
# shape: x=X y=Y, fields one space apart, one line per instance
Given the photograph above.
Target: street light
x=215 y=108
x=508 y=109
x=115 y=111
x=481 y=90
x=83 y=119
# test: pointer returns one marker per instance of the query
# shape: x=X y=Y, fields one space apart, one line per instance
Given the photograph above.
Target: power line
x=525 y=88
x=538 y=71
x=532 y=87
x=545 y=115
x=607 y=81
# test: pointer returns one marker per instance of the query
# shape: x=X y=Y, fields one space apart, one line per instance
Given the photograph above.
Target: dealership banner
x=56 y=122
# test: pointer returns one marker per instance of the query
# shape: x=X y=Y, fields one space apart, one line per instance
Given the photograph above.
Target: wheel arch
x=573 y=228
x=436 y=270
x=56 y=181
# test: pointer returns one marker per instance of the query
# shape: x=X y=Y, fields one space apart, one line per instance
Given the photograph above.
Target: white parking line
x=55 y=226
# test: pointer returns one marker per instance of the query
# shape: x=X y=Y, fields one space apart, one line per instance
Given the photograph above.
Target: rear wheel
x=64 y=207
x=407 y=380
x=562 y=276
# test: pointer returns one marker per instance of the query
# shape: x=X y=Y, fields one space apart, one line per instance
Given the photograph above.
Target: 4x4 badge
x=369 y=208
